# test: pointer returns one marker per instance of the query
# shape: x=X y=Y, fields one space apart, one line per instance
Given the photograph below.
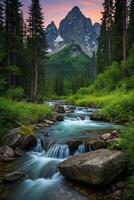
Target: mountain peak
x=52 y=24
x=75 y=9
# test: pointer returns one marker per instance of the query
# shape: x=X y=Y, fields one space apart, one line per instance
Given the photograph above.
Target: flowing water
x=44 y=181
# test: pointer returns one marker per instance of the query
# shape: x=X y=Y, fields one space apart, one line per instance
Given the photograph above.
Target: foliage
x=120 y=108
x=128 y=148
x=14 y=113
x=15 y=93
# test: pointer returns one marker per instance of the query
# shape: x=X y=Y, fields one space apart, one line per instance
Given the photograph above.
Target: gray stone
x=106 y=136
x=97 y=144
x=14 y=176
x=95 y=168
x=15 y=139
x=6 y=152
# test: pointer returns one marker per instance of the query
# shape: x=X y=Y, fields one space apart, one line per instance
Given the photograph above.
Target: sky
x=56 y=10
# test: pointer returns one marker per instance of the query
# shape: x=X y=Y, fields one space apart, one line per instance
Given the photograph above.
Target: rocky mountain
x=74 y=28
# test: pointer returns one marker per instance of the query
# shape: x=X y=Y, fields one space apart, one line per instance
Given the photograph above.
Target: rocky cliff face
x=74 y=28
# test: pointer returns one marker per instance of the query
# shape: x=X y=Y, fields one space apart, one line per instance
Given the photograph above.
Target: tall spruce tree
x=117 y=32
x=36 y=43
x=13 y=32
x=131 y=25
x=104 y=48
x=1 y=32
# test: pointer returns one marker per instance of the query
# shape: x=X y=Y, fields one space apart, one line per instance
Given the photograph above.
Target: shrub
x=13 y=113
x=15 y=93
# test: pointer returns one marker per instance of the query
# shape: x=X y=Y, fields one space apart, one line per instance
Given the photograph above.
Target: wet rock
x=15 y=139
x=73 y=145
x=59 y=109
x=95 y=168
x=117 y=195
x=49 y=122
x=14 y=176
x=106 y=136
x=19 y=152
x=96 y=116
x=8 y=159
x=115 y=133
x=98 y=144
x=6 y=152
x=59 y=117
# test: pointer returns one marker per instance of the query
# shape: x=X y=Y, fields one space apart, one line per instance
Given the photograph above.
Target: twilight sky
x=55 y=10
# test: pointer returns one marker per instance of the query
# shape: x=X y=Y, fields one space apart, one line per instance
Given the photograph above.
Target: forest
x=29 y=75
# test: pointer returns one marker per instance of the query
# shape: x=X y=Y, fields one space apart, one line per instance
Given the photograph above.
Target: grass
x=115 y=106
x=14 y=113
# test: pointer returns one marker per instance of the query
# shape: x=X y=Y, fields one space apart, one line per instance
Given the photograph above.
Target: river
x=44 y=181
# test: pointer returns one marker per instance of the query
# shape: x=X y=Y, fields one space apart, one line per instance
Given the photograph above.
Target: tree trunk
x=124 y=2
x=36 y=81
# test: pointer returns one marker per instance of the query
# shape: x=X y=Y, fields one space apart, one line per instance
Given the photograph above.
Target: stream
x=44 y=181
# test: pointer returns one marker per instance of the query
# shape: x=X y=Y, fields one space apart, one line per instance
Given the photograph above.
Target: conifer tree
x=13 y=41
x=36 y=43
x=117 y=32
x=131 y=25
x=1 y=32
x=104 y=47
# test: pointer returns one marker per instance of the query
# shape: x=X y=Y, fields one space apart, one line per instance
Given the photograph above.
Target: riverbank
x=63 y=140
x=14 y=114
x=116 y=107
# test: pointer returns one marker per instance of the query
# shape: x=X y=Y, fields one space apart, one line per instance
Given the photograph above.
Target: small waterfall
x=81 y=149
x=58 y=151
x=38 y=147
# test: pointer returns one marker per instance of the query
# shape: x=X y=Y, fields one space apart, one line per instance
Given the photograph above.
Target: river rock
x=6 y=152
x=59 y=109
x=96 y=116
x=14 y=176
x=95 y=168
x=19 y=152
x=49 y=122
x=106 y=136
x=97 y=144
x=59 y=117
x=15 y=139
x=74 y=144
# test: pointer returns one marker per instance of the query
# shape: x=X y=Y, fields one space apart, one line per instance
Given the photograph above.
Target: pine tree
x=131 y=25
x=1 y=16
x=124 y=24
x=1 y=32
x=104 y=47
x=14 y=42
x=117 y=32
x=36 y=43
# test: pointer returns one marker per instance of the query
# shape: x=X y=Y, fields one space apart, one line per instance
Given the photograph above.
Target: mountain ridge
x=74 y=28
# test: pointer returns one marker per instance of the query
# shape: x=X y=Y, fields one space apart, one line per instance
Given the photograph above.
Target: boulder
x=59 y=117
x=14 y=176
x=6 y=152
x=74 y=144
x=106 y=136
x=96 y=116
x=59 y=109
x=95 y=168
x=15 y=139
x=97 y=144
x=19 y=152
